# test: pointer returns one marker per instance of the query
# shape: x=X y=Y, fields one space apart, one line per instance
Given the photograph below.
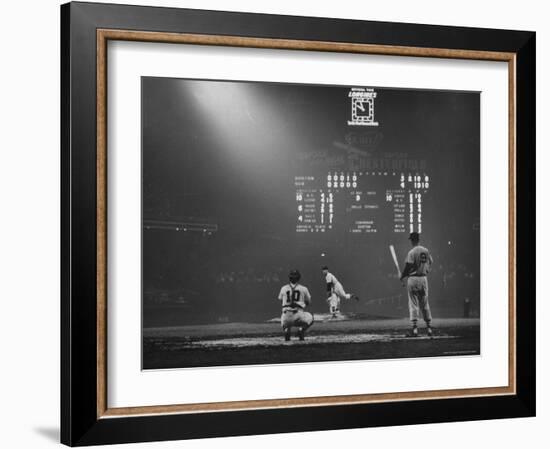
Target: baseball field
x=344 y=338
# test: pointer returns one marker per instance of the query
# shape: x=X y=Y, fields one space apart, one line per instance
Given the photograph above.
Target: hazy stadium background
x=219 y=219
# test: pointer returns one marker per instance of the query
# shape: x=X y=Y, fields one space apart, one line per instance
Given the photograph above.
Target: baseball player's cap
x=414 y=236
x=294 y=276
x=324 y=267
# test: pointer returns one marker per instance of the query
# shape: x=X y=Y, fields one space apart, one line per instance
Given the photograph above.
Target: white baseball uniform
x=337 y=292
x=294 y=299
x=417 y=283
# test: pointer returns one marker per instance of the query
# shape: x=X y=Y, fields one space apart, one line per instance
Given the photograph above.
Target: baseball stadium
x=245 y=182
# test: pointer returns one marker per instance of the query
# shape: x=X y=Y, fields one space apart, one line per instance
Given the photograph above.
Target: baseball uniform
x=294 y=299
x=336 y=291
x=420 y=260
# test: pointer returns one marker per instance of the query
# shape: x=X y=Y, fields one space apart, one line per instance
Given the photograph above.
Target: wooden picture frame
x=85 y=417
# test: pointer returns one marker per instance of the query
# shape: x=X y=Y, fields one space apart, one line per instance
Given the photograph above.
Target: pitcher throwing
x=335 y=292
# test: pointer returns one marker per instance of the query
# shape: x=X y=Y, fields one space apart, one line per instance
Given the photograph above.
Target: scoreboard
x=361 y=202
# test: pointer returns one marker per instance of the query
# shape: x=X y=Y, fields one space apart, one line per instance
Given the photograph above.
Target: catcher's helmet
x=294 y=276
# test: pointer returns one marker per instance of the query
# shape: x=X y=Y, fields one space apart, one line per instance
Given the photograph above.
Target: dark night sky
x=227 y=153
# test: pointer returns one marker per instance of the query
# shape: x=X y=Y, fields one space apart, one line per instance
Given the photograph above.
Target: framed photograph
x=279 y=224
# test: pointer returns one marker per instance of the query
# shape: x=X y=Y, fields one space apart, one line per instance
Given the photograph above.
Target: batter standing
x=417 y=267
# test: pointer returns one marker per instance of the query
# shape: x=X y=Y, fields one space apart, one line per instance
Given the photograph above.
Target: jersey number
x=423 y=258
x=292 y=297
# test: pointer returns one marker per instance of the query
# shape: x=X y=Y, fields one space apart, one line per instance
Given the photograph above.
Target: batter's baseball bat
x=394 y=257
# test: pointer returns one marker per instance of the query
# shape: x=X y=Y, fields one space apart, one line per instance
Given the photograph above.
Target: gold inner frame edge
x=105 y=35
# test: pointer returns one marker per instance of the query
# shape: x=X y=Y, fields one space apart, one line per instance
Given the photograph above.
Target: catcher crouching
x=295 y=298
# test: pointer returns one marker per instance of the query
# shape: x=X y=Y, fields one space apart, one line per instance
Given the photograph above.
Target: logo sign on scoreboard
x=362 y=107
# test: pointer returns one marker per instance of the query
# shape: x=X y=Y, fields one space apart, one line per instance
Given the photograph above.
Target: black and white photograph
x=232 y=224
x=294 y=223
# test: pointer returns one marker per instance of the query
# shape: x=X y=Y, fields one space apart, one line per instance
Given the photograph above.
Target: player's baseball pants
x=334 y=303
x=339 y=290
x=417 y=287
x=296 y=318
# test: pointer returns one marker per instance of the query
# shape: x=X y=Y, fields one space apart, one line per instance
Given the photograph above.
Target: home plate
x=248 y=342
